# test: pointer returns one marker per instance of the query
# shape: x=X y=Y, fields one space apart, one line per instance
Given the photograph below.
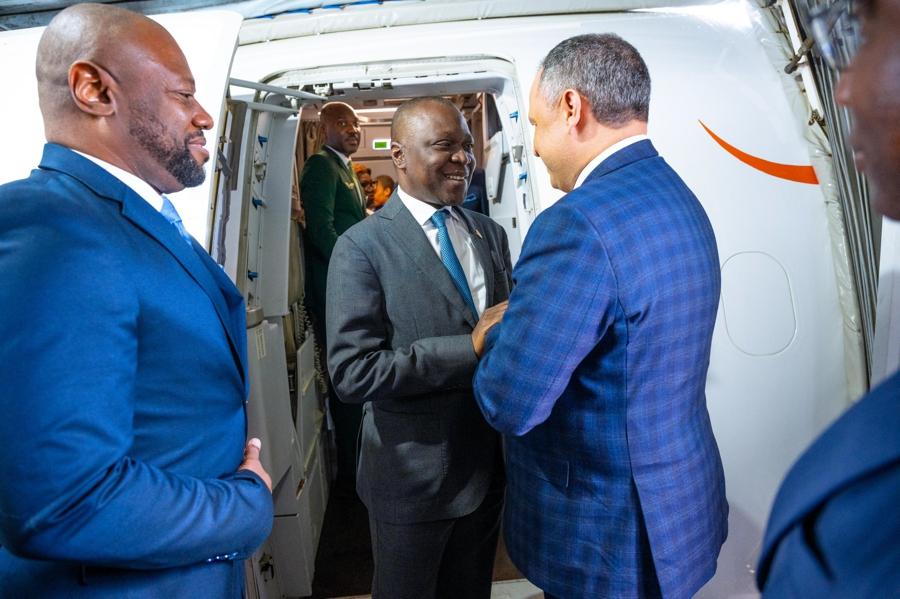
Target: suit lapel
x=146 y=218
x=483 y=251
x=409 y=235
x=835 y=460
x=234 y=307
x=348 y=178
x=151 y=222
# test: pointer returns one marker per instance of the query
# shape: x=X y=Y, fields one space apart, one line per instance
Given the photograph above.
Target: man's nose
x=202 y=119
x=461 y=156
x=844 y=92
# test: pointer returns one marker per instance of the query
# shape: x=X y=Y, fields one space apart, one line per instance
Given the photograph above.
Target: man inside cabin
x=597 y=374
x=123 y=366
x=411 y=292
x=834 y=529
x=384 y=189
x=364 y=175
x=333 y=201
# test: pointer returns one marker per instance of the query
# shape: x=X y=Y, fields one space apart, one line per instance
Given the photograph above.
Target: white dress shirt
x=137 y=185
x=459 y=237
x=344 y=158
x=587 y=170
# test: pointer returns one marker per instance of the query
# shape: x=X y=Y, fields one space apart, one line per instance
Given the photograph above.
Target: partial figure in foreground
x=124 y=363
x=834 y=529
x=411 y=291
x=596 y=375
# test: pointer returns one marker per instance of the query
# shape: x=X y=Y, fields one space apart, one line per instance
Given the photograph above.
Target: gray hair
x=608 y=71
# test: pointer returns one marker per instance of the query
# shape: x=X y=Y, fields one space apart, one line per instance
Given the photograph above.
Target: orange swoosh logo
x=791 y=172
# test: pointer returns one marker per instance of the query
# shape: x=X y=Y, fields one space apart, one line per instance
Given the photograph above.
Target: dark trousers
x=346 y=417
x=442 y=559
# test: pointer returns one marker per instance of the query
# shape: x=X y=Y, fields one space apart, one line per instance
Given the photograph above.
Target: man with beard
x=411 y=292
x=123 y=366
x=834 y=529
x=334 y=201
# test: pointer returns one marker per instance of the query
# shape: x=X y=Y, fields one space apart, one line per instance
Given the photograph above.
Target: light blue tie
x=451 y=262
x=171 y=215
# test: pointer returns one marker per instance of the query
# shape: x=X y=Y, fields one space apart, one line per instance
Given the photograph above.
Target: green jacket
x=331 y=200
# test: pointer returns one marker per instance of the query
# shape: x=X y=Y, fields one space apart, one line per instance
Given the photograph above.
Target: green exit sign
x=381 y=144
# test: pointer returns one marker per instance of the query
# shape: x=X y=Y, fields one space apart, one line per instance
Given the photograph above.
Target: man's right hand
x=251 y=461
x=491 y=316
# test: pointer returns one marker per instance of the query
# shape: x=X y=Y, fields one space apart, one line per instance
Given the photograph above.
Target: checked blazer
x=596 y=377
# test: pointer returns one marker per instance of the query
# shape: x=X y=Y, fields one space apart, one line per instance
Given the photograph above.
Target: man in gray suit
x=411 y=293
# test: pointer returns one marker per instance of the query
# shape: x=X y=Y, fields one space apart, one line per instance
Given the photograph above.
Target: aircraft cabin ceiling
x=19 y=14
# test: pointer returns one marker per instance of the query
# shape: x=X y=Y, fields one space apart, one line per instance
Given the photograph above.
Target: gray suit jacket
x=399 y=340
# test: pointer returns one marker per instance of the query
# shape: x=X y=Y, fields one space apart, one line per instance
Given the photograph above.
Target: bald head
x=115 y=85
x=432 y=149
x=93 y=33
x=341 y=127
x=415 y=113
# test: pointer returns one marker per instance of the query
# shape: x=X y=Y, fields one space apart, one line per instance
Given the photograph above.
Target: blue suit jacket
x=597 y=377
x=122 y=369
x=834 y=530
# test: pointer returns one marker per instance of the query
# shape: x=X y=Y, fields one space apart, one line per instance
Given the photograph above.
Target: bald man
x=411 y=292
x=333 y=200
x=123 y=365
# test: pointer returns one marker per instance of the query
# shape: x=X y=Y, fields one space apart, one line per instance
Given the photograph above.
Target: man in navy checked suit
x=596 y=375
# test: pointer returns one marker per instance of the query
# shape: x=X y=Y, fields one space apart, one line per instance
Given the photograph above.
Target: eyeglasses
x=836 y=29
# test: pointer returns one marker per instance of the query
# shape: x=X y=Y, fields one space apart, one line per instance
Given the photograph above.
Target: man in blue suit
x=596 y=375
x=122 y=365
x=834 y=529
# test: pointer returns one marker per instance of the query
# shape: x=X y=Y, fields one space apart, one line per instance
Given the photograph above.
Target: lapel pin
x=477 y=232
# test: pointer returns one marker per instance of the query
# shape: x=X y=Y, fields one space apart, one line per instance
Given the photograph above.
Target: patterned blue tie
x=171 y=215
x=448 y=257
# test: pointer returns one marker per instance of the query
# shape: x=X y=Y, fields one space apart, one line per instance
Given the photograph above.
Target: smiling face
x=162 y=117
x=870 y=88
x=551 y=142
x=435 y=157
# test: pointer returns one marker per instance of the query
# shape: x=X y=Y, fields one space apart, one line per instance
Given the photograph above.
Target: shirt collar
x=421 y=211
x=344 y=158
x=135 y=183
x=587 y=170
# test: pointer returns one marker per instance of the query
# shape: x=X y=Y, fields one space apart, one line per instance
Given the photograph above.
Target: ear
x=89 y=84
x=573 y=107
x=398 y=155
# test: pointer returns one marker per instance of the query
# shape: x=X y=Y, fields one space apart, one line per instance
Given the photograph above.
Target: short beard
x=150 y=133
